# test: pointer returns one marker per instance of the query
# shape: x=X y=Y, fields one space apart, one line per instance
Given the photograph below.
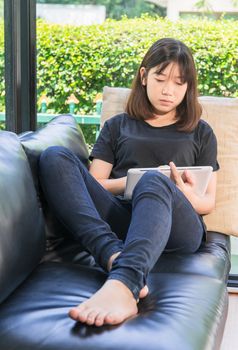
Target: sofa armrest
x=21 y=231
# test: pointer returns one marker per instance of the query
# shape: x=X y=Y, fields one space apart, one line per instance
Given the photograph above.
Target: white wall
x=72 y=14
x=174 y=7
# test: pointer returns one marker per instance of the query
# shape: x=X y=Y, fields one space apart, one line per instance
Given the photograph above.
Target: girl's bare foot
x=112 y=304
x=144 y=291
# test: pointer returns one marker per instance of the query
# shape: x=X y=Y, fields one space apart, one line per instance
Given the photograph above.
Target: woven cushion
x=222 y=114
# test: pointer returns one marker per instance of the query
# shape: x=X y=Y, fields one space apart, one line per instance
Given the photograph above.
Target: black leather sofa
x=43 y=274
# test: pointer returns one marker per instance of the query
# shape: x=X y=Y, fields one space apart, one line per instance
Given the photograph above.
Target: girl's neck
x=162 y=120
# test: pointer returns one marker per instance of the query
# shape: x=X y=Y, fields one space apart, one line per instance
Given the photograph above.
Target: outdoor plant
x=83 y=59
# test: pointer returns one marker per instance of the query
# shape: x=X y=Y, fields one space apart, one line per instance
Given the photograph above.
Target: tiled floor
x=230 y=338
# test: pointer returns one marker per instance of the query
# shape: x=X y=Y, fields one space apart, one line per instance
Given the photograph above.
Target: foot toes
x=83 y=316
x=73 y=313
x=113 y=319
x=99 y=320
x=78 y=314
x=91 y=317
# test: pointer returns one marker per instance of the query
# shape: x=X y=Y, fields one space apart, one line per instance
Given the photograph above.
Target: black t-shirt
x=128 y=143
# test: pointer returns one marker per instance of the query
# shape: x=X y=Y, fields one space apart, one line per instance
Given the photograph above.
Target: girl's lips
x=167 y=102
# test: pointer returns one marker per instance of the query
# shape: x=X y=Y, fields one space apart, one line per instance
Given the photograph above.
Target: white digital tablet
x=201 y=175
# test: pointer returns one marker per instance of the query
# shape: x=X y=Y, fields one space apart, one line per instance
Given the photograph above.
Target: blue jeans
x=159 y=217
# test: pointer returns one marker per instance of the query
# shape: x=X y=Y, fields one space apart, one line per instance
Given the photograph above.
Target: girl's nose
x=167 y=89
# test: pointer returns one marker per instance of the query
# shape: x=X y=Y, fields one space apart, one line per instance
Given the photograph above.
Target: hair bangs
x=186 y=66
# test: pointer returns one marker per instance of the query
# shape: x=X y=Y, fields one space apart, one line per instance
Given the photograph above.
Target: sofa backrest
x=60 y=131
x=222 y=114
x=22 y=240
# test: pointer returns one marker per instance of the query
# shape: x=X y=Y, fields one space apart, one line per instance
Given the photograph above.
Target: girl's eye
x=160 y=80
x=179 y=83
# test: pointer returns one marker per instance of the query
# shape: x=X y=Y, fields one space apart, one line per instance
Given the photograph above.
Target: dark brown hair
x=161 y=54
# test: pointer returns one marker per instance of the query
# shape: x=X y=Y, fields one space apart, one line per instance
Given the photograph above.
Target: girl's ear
x=143 y=76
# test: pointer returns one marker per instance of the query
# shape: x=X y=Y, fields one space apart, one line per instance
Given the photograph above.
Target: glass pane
x=71 y=68
x=2 y=80
x=69 y=74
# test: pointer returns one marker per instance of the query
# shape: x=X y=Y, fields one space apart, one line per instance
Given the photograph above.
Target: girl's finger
x=189 y=177
x=175 y=174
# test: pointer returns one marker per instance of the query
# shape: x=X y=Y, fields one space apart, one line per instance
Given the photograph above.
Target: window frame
x=20 y=64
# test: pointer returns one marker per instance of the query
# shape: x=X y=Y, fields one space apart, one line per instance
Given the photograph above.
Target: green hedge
x=83 y=59
x=2 y=82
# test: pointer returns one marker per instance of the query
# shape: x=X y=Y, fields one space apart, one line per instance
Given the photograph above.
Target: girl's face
x=166 y=89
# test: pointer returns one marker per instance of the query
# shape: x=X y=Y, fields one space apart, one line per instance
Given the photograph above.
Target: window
x=2 y=80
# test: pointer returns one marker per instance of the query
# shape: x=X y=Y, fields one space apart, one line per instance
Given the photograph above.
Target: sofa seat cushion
x=183 y=311
x=211 y=260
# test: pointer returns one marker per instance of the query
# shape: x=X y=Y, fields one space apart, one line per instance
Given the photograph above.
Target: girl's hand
x=201 y=204
x=184 y=182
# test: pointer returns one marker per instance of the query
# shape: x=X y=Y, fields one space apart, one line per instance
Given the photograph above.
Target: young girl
x=161 y=126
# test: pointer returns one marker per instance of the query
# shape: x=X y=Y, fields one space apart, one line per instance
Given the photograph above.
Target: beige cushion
x=113 y=102
x=222 y=114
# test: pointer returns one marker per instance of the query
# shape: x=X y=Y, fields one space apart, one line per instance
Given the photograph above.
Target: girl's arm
x=202 y=204
x=101 y=171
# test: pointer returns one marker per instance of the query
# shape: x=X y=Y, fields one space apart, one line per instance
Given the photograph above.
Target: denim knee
x=53 y=155
x=152 y=181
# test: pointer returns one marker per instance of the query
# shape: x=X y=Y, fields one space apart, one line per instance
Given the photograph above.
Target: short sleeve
x=104 y=146
x=208 y=149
